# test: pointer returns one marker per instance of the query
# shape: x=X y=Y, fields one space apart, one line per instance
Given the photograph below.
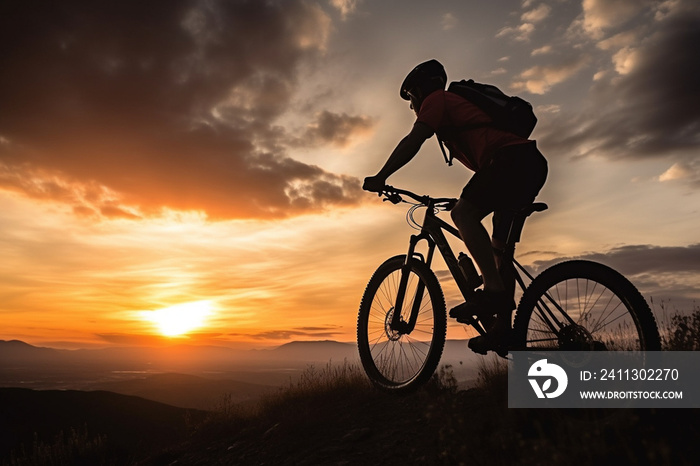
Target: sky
x=190 y=171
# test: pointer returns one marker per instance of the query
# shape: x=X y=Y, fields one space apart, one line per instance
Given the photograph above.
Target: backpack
x=508 y=113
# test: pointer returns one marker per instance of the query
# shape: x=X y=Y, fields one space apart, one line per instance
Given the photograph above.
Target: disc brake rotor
x=392 y=335
x=577 y=338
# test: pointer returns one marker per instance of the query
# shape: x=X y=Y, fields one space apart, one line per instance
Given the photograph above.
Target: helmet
x=426 y=77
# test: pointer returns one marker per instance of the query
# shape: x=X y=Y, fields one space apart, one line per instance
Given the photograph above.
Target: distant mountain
x=170 y=358
x=181 y=358
x=240 y=374
x=317 y=351
x=29 y=366
x=301 y=351
x=15 y=350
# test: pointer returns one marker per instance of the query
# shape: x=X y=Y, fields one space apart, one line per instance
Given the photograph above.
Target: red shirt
x=473 y=147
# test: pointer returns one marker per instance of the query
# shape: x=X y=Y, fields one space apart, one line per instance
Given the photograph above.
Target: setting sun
x=180 y=319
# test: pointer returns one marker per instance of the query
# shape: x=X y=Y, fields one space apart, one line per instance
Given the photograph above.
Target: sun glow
x=180 y=319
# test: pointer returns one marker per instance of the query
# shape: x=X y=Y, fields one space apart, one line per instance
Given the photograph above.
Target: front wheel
x=584 y=306
x=395 y=359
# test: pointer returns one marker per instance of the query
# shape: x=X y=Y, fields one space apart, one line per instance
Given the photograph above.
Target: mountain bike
x=576 y=305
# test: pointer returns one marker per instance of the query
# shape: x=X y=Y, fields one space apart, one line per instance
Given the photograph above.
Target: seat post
x=507 y=268
x=518 y=222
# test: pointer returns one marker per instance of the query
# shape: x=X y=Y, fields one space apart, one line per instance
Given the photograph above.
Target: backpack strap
x=448 y=158
x=451 y=133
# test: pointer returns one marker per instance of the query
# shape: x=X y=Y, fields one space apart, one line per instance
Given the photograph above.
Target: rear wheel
x=394 y=359
x=584 y=306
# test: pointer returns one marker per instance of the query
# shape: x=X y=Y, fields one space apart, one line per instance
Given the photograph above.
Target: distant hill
x=316 y=351
x=187 y=391
x=188 y=376
x=150 y=372
x=126 y=421
x=15 y=351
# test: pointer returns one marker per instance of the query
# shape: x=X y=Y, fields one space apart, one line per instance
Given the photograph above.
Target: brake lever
x=394 y=198
x=450 y=204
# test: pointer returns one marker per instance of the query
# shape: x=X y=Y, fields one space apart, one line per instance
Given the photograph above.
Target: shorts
x=511 y=181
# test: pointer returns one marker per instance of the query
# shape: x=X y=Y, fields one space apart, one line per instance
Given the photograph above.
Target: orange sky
x=212 y=153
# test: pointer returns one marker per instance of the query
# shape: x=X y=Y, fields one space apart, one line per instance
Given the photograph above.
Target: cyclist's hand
x=374 y=184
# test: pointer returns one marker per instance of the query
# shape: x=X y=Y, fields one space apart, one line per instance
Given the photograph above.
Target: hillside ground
x=344 y=422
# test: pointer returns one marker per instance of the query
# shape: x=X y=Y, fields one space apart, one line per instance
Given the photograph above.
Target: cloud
x=345 y=7
x=523 y=32
x=336 y=129
x=685 y=171
x=542 y=50
x=552 y=108
x=618 y=41
x=650 y=107
x=626 y=60
x=449 y=21
x=639 y=259
x=124 y=108
x=305 y=332
x=133 y=339
x=537 y=14
x=660 y=271
x=539 y=79
x=520 y=33
x=600 y=16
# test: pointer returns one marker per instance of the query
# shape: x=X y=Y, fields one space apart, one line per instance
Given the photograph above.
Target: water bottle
x=474 y=280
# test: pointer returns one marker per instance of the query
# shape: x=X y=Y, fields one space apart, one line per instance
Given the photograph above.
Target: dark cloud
x=661 y=272
x=653 y=111
x=132 y=339
x=643 y=259
x=305 y=332
x=336 y=129
x=125 y=107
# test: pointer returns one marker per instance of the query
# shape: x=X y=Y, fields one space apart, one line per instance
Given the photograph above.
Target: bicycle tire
x=393 y=361
x=584 y=289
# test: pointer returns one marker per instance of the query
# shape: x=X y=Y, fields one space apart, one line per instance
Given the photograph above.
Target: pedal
x=467 y=320
x=461 y=314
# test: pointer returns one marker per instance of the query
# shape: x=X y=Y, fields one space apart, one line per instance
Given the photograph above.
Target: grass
x=314 y=383
x=77 y=447
x=680 y=331
x=333 y=415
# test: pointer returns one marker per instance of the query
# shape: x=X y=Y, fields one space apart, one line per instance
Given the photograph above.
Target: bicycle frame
x=432 y=232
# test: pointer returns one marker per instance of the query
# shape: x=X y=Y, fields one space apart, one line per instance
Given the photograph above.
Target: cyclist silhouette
x=509 y=173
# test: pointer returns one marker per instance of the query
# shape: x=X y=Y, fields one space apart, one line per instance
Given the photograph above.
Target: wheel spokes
x=399 y=357
x=594 y=312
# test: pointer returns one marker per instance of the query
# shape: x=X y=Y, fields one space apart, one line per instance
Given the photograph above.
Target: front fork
x=397 y=323
x=401 y=326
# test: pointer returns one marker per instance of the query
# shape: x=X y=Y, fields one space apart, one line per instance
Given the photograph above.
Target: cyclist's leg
x=474 y=204
x=513 y=179
x=467 y=217
x=505 y=267
x=524 y=170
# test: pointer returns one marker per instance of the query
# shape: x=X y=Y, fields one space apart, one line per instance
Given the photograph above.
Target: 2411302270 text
x=630 y=374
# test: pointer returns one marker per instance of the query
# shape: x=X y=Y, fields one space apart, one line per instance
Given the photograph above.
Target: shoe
x=496 y=338
x=484 y=305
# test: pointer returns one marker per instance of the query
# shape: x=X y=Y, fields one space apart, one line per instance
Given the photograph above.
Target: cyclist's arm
x=404 y=152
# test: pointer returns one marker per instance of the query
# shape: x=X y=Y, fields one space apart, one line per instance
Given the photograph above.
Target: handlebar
x=393 y=195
